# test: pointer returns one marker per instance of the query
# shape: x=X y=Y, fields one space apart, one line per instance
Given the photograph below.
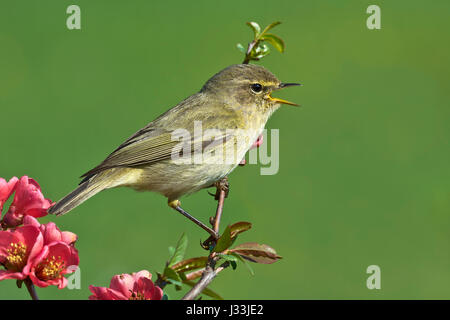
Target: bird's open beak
x=281 y=86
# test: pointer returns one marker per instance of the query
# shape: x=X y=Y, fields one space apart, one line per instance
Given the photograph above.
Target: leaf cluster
x=179 y=271
x=258 y=48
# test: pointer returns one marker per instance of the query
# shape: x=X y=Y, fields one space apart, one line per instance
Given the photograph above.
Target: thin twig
x=31 y=289
x=195 y=274
x=207 y=276
x=249 y=51
x=221 y=194
x=209 y=273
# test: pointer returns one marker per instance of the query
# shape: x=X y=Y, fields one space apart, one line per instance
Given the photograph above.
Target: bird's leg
x=175 y=204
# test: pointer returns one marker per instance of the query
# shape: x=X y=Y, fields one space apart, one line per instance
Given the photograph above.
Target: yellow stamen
x=137 y=296
x=17 y=256
x=50 y=268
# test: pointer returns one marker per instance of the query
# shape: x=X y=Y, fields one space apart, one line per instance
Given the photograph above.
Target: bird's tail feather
x=84 y=191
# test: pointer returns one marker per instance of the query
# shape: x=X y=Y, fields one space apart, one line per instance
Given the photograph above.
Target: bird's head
x=247 y=86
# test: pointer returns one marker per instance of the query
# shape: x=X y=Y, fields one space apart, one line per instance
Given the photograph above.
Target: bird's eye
x=256 y=87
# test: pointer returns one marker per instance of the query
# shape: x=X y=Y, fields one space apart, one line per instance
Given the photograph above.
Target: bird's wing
x=149 y=146
x=155 y=142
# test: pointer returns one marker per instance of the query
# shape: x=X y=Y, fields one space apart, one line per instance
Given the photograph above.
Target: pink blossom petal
x=32 y=238
x=63 y=283
x=6 y=189
x=5 y=274
x=143 y=273
x=63 y=253
x=11 y=218
x=68 y=237
x=146 y=287
x=6 y=238
x=28 y=200
x=51 y=232
x=157 y=293
x=29 y=220
x=125 y=286
x=102 y=293
x=122 y=283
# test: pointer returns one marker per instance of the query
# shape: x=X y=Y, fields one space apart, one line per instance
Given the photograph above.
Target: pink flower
x=137 y=286
x=6 y=189
x=57 y=257
x=42 y=253
x=51 y=232
x=18 y=248
x=53 y=262
x=28 y=200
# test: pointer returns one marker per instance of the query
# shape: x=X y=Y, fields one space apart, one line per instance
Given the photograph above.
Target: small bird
x=234 y=105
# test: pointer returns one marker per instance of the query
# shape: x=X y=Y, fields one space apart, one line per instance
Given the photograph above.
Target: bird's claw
x=222 y=185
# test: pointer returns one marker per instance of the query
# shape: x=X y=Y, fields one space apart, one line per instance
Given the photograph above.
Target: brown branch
x=195 y=274
x=31 y=289
x=221 y=194
x=209 y=273
x=207 y=276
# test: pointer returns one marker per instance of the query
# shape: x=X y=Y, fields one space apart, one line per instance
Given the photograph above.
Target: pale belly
x=174 y=179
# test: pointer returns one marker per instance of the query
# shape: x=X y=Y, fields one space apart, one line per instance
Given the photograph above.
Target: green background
x=364 y=163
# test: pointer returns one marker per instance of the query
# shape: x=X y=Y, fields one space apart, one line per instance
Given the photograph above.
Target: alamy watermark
x=74 y=20
x=226 y=147
x=374 y=20
x=374 y=280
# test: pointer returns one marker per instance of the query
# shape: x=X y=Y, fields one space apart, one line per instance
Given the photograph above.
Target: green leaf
x=224 y=241
x=228 y=257
x=205 y=291
x=270 y=26
x=165 y=296
x=239 y=227
x=171 y=251
x=264 y=48
x=261 y=51
x=249 y=267
x=241 y=48
x=172 y=276
x=274 y=40
x=182 y=276
x=255 y=252
x=190 y=264
x=179 y=251
x=255 y=27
